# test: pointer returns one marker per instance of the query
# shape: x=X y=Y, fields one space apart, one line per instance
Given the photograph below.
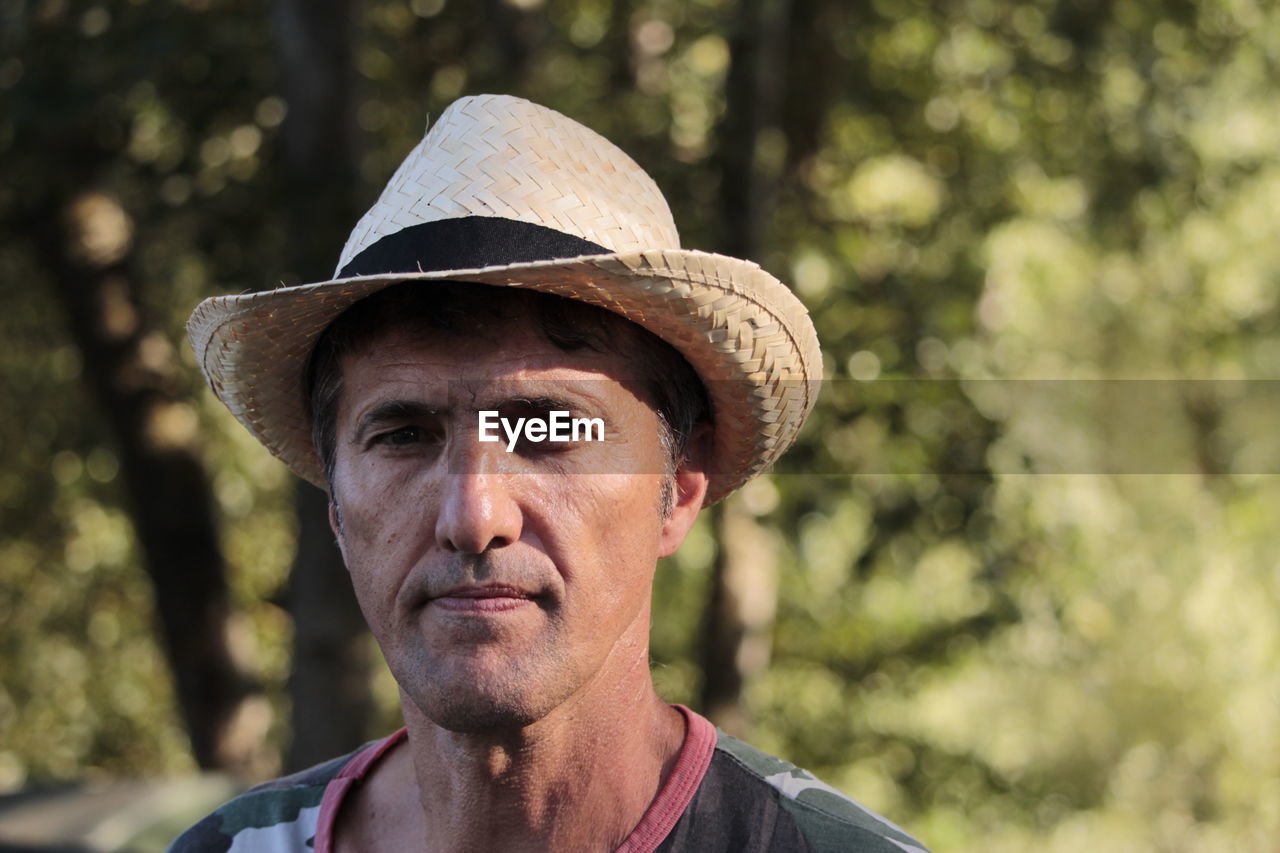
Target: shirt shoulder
x=752 y=802
x=279 y=816
x=828 y=819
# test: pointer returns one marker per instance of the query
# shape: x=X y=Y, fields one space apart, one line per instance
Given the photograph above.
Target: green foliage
x=131 y=101
x=1060 y=189
x=82 y=684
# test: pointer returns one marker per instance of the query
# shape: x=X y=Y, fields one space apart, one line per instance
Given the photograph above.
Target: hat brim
x=744 y=333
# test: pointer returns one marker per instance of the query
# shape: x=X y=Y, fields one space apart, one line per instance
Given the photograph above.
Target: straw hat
x=504 y=192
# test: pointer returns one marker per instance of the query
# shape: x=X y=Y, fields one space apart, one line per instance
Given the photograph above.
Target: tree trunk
x=743 y=595
x=618 y=47
x=743 y=601
x=329 y=685
x=86 y=242
x=516 y=35
x=753 y=87
x=330 y=682
x=812 y=69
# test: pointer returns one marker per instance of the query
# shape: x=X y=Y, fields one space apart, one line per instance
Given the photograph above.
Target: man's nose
x=478 y=510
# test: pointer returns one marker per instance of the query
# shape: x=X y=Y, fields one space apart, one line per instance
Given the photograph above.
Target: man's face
x=500 y=585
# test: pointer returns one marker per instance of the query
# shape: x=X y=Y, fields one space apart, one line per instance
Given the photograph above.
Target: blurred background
x=925 y=605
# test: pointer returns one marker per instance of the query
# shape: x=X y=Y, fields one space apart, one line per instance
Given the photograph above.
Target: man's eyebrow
x=390 y=411
x=539 y=403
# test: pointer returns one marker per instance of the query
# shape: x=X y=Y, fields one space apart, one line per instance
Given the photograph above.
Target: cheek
x=384 y=534
x=376 y=498
x=603 y=532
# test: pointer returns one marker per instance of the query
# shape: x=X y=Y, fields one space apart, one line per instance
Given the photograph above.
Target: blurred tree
x=1002 y=658
x=329 y=686
x=82 y=241
x=741 y=601
x=85 y=243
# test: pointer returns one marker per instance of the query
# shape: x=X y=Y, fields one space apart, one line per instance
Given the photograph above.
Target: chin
x=486 y=689
x=478 y=698
x=481 y=719
x=474 y=711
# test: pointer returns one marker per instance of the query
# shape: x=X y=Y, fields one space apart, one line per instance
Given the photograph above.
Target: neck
x=579 y=779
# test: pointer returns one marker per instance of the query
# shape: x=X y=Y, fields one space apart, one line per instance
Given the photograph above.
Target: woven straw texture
x=492 y=155
x=743 y=331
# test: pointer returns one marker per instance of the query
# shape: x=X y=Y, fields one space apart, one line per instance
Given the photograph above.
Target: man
x=519 y=392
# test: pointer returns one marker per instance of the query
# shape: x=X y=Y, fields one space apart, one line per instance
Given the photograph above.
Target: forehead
x=500 y=357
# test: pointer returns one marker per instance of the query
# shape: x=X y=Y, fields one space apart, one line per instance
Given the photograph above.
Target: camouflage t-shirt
x=722 y=795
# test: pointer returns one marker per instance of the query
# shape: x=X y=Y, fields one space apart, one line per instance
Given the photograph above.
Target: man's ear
x=689 y=488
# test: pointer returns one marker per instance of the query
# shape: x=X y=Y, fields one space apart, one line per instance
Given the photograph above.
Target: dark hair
x=455 y=308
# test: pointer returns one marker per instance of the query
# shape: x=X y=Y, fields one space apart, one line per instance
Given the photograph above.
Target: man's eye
x=403 y=437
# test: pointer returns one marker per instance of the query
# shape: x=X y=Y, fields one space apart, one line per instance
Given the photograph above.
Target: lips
x=482 y=598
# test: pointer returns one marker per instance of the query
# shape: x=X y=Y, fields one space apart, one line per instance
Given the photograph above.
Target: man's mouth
x=482 y=598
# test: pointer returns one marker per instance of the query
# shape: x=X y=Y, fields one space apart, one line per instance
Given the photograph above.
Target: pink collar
x=658 y=820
